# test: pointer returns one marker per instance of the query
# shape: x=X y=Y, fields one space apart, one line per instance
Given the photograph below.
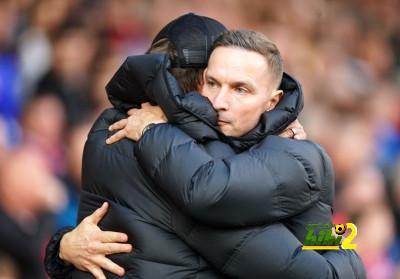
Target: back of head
x=257 y=42
x=188 y=40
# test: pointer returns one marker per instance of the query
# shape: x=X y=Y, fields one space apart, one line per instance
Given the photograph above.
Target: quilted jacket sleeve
x=52 y=263
x=260 y=185
x=272 y=251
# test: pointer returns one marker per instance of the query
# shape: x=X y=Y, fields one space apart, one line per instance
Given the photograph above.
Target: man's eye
x=240 y=90
x=211 y=84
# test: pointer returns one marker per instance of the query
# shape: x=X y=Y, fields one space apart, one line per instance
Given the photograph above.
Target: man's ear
x=201 y=84
x=274 y=99
x=204 y=74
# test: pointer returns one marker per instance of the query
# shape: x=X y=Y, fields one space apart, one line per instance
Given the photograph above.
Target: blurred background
x=56 y=56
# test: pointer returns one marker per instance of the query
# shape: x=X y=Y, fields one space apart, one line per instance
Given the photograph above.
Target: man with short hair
x=196 y=234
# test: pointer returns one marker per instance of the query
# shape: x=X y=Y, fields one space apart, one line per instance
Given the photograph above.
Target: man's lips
x=221 y=122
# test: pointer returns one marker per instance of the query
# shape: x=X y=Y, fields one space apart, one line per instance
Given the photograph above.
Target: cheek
x=204 y=91
x=250 y=116
x=246 y=116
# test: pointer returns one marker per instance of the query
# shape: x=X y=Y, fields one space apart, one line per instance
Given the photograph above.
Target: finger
x=293 y=124
x=286 y=133
x=112 y=267
x=132 y=111
x=118 y=125
x=97 y=272
x=300 y=135
x=147 y=104
x=296 y=123
x=112 y=248
x=112 y=237
x=117 y=136
x=298 y=126
x=102 y=249
x=98 y=214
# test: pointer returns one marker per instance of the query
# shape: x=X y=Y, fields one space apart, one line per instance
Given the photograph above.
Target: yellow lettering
x=346 y=243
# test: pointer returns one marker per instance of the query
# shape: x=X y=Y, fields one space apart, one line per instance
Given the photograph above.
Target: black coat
x=203 y=215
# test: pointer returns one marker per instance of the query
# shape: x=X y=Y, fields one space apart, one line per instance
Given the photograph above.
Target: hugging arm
x=127 y=128
x=272 y=251
x=55 y=267
x=257 y=186
x=85 y=247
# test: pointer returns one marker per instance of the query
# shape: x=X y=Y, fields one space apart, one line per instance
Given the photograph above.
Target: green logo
x=324 y=240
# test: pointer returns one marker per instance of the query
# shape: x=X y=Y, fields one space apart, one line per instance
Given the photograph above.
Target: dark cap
x=192 y=36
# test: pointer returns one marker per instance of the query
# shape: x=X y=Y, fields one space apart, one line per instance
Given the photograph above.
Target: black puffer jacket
x=226 y=190
x=184 y=242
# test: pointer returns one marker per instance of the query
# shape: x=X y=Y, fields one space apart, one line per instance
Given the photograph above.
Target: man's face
x=237 y=83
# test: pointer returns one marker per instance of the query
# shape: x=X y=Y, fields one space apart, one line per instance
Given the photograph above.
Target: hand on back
x=133 y=126
x=86 y=246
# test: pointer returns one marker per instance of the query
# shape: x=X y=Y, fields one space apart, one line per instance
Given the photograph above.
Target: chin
x=228 y=133
x=227 y=130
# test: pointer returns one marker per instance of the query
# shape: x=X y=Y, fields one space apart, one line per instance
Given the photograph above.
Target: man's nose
x=220 y=100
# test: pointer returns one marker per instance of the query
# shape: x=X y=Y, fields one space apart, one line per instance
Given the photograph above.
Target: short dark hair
x=257 y=42
x=188 y=78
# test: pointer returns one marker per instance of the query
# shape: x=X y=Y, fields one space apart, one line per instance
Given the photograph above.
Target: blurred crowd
x=56 y=57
